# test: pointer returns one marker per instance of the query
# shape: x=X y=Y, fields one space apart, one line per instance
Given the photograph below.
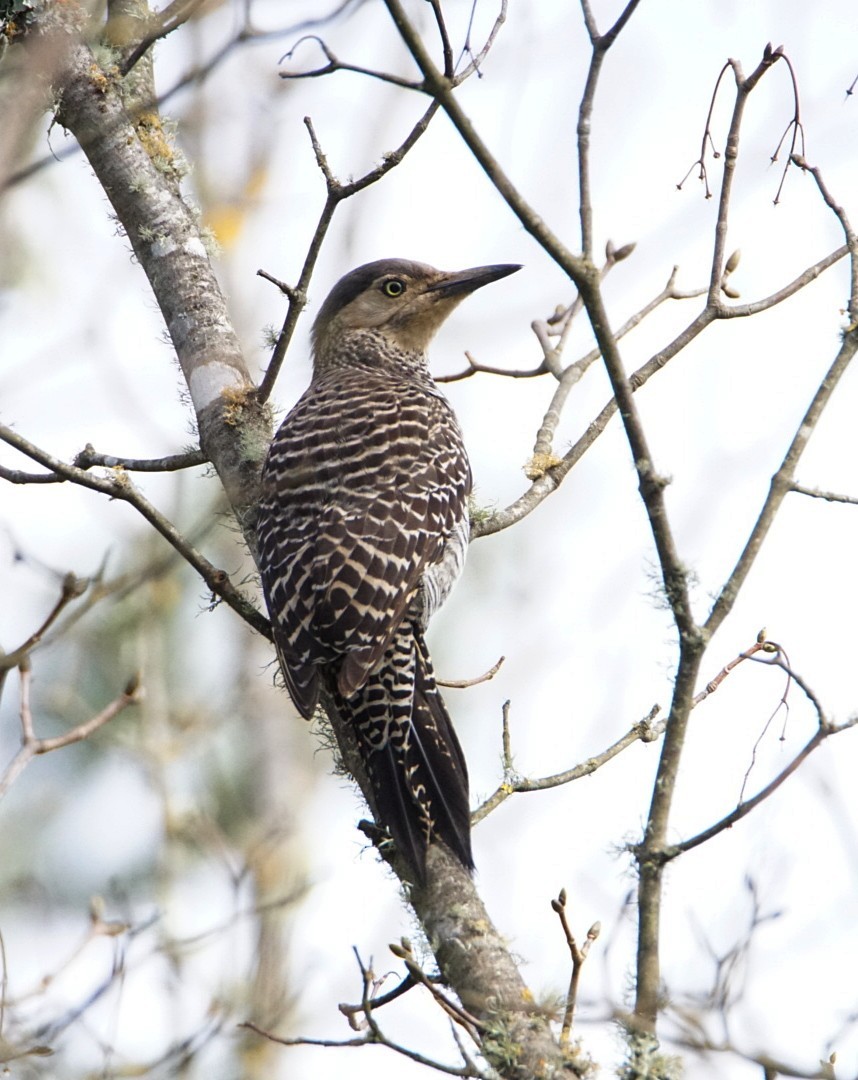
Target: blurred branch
x=31 y=746
x=160 y=25
x=351 y=1012
x=373 y=1035
x=772 y=1067
x=118 y=486
x=334 y=64
x=196 y=75
x=72 y=588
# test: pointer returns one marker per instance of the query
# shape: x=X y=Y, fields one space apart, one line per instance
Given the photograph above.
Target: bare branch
x=761 y=645
x=600 y=45
x=579 y=955
x=475 y=367
x=31 y=746
x=456 y=1013
x=373 y=1034
x=162 y=23
x=829 y=496
x=334 y=64
x=781 y=483
x=118 y=486
x=743 y=809
x=477 y=59
x=88 y=458
x=794 y=128
x=848 y=232
x=72 y=588
x=646 y=730
x=465 y=684
x=336 y=193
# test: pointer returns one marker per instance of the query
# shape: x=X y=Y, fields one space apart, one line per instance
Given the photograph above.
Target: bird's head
x=406 y=302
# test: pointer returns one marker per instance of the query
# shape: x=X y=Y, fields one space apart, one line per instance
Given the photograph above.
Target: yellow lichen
x=539 y=465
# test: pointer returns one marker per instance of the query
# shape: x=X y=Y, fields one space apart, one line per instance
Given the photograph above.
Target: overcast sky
x=570 y=595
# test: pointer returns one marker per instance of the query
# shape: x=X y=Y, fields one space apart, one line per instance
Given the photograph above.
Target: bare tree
x=103 y=91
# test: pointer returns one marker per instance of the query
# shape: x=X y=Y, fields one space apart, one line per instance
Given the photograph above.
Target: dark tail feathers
x=419 y=776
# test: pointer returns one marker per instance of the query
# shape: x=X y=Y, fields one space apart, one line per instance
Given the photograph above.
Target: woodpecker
x=362 y=532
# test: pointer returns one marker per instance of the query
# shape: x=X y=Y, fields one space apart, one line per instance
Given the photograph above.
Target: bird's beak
x=463 y=282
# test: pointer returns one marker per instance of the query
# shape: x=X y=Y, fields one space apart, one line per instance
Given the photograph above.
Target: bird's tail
x=412 y=755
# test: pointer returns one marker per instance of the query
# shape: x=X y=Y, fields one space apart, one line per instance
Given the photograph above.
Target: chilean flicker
x=363 y=528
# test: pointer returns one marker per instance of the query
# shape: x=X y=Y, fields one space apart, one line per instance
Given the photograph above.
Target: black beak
x=467 y=281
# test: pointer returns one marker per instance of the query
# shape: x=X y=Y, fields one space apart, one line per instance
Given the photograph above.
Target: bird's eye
x=393 y=287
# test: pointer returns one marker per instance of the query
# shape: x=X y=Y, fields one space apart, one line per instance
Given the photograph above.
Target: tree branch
x=337 y=192
x=31 y=746
x=139 y=173
x=118 y=486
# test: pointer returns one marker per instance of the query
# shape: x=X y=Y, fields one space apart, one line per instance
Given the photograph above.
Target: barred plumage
x=362 y=532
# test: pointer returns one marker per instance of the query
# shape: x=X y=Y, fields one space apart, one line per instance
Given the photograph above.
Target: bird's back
x=362 y=531
x=365 y=485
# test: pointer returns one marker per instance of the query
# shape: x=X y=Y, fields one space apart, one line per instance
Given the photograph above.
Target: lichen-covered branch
x=140 y=171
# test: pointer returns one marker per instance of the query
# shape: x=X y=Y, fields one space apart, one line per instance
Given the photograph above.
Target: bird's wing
x=357 y=503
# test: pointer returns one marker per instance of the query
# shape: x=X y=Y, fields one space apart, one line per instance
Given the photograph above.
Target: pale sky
x=569 y=596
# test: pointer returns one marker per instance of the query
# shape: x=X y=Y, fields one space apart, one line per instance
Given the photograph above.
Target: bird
x=362 y=531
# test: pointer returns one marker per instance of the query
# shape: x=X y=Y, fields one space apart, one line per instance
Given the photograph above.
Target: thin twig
x=336 y=193
x=72 y=588
x=828 y=496
x=464 y=684
x=334 y=64
x=646 y=730
x=88 y=458
x=848 y=232
x=163 y=23
x=350 y=1012
x=760 y=645
x=457 y=1013
x=579 y=955
x=373 y=1034
x=31 y=746
x=601 y=43
x=743 y=809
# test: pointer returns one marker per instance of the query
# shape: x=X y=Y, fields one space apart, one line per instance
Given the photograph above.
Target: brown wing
x=365 y=481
